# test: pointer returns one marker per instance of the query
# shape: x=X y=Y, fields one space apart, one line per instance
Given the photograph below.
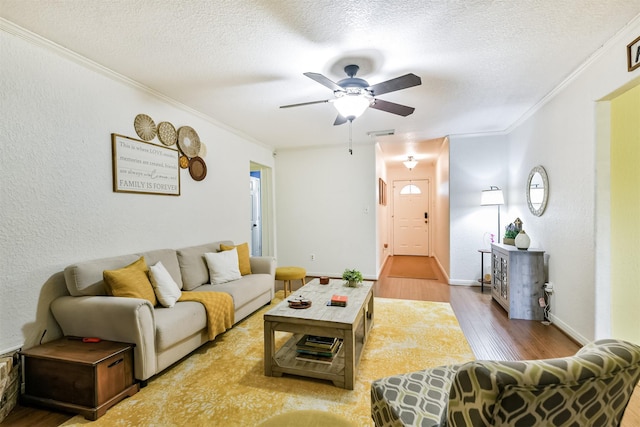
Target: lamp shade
x=351 y=106
x=493 y=196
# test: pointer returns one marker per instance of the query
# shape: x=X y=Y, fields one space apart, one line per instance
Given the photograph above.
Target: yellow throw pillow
x=243 y=257
x=131 y=282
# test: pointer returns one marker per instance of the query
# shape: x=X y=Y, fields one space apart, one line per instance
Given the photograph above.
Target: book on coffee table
x=339 y=300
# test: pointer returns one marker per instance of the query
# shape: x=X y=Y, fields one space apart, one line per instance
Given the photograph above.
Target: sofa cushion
x=86 y=278
x=131 y=282
x=243 y=257
x=166 y=289
x=223 y=266
x=178 y=323
x=243 y=290
x=193 y=267
x=169 y=260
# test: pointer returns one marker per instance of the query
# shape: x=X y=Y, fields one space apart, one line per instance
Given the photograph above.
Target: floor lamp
x=493 y=197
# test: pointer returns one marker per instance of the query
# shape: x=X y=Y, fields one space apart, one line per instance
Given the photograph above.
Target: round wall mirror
x=537 y=190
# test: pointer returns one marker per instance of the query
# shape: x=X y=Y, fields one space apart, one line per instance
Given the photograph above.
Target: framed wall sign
x=633 y=54
x=144 y=167
x=382 y=192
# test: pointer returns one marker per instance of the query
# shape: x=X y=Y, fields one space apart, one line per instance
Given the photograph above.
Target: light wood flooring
x=485 y=324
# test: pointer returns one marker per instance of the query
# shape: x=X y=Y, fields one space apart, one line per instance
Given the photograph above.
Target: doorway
x=256 y=214
x=261 y=216
x=625 y=210
x=411 y=217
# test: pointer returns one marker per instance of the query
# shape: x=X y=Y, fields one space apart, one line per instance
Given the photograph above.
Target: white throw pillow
x=166 y=289
x=223 y=266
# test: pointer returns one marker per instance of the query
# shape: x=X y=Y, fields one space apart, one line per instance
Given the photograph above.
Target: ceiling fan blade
x=340 y=120
x=305 y=103
x=402 y=82
x=392 y=107
x=325 y=81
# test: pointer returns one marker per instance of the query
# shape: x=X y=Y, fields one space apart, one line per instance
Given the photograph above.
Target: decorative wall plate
x=145 y=127
x=203 y=150
x=184 y=162
x=167 y=134
x=197 y=168
x=188 y=141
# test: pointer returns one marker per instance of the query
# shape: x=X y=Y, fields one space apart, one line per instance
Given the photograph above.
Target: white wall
x=56 y=198
x=327 y=202
x=561 y=135
x=441 y=233
x=476 y=163
x=382 y=215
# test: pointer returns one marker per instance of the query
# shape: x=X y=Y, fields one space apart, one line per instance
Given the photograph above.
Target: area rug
x=414 y=267
x=223 y=383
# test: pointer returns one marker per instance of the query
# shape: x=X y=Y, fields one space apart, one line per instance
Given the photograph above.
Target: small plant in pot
x=354 y=277
x=510 y=233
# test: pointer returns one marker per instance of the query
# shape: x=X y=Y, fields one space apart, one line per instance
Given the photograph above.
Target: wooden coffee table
x=351 y=324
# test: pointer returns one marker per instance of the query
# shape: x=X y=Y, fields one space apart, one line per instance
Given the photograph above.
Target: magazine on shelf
x=315 y=358
x=321 y=342
x=303 y=347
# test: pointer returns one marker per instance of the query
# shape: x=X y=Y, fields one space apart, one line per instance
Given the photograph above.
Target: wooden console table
x=85 y=378
x=517 y=281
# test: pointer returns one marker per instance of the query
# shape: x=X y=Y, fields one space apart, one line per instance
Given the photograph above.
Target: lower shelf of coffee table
x=286 y=362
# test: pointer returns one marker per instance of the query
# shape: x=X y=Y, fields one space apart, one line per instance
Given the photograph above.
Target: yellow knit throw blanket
x=219 y=308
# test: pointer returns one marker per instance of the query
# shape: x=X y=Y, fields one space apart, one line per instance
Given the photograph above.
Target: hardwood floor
x=490 y=333
x=487 y=328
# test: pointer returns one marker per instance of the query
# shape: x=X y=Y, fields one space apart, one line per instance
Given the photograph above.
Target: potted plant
x=510 y=233
x=353 y=277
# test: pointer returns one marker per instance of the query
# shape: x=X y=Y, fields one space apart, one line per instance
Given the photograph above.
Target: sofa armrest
x=129 y=320
x=263 y=265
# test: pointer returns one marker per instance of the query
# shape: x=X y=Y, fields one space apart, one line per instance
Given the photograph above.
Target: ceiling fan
x=354 y=95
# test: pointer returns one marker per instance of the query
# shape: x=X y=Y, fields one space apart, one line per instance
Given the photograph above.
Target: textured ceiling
x=483 y=63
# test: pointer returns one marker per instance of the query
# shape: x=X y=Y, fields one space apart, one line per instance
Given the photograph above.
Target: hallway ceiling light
x=410 y=163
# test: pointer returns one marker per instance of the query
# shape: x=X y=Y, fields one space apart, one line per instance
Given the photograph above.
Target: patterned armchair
x=592 y=388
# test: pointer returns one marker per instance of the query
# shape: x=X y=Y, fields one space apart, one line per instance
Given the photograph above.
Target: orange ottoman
x=287 y=274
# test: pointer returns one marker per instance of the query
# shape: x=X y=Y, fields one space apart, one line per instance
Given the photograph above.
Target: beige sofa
x=161 y=335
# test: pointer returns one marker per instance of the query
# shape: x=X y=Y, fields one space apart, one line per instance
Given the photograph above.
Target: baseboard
x=384 y=263
x=463 y=282
x=10 y=349
x=441 y=268
x=567 y=330
x=337 y=275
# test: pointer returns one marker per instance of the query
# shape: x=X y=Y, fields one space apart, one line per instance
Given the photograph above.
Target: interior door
x=411 y=217
x=256 y=219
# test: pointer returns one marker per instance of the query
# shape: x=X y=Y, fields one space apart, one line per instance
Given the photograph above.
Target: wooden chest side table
x=74 y=376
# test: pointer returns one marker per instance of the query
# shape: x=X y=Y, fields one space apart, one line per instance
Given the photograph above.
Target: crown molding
x=616 y=38
x=11 y=28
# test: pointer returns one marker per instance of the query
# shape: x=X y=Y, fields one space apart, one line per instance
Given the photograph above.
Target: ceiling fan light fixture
x=410 y=163
x=351 y=106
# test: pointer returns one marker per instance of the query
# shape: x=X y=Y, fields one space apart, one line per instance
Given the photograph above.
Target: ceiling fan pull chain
x=350 y=142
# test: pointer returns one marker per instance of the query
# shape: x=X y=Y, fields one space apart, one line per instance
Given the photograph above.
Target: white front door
x=411 y=217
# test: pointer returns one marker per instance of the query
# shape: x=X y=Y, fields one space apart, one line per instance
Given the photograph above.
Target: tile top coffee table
x=351 y=324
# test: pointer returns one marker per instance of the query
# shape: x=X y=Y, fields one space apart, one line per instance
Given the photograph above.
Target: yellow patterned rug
x=223 y=383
